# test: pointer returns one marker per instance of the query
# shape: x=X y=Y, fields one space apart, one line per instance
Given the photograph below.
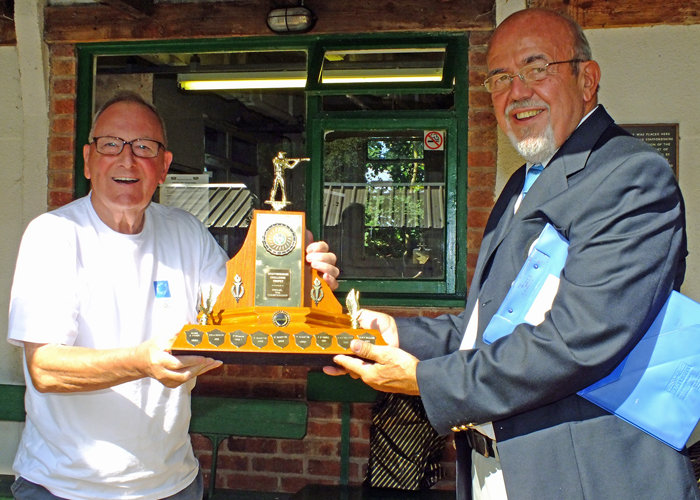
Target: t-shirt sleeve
x=43 y=302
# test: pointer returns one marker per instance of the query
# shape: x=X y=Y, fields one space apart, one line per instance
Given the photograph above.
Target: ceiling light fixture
x=291 y=19
x=242 y=80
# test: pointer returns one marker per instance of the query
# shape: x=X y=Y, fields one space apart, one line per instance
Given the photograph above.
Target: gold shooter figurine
x=281 y=163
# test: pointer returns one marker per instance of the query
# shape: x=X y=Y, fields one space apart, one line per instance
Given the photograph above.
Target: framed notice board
x=662 y=136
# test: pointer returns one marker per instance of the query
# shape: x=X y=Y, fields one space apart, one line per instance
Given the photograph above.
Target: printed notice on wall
x=662 y=136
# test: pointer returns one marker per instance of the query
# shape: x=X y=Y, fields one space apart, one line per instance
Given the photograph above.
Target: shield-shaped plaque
x=323 y=340
x=302 y=339
x=238 y=338
x=344 y=340
x=280 y=339
x=217 y=337
x=259 y=339
x=194 y=337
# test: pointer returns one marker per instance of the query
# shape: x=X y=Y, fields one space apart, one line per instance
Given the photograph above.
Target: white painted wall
x=24 y=131
x=650 y=75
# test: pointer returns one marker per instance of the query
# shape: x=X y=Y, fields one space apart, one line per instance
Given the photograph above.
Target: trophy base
x=256 y=345
x=262 y=358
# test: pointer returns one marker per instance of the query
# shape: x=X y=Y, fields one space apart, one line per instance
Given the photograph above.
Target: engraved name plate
x=278 y=284
x=238 y=338
x=217 y=337
x=280 y=339
x=193 y=337
x=303 y=340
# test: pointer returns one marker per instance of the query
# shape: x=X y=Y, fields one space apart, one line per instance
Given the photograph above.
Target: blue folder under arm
x=657 y=386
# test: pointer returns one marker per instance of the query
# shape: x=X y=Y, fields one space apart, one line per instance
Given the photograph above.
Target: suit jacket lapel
x=570 y=158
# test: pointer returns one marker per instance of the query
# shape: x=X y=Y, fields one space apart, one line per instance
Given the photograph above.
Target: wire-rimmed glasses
x=531 y=73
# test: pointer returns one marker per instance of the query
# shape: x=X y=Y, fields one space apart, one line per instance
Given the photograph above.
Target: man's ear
x=167 y=160
x=86 y=157
x=590 y=78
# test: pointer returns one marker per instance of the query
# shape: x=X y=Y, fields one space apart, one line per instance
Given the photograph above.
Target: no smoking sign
x=434 y=140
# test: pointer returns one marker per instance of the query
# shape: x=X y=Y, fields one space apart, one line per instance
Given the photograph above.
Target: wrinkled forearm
x=60 y=368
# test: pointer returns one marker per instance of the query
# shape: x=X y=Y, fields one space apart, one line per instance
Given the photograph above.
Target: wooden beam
x=134 y=9
x=592 y=14
x=98 y=23
x=8 y=35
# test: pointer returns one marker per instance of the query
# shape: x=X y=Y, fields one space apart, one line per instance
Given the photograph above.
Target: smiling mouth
x=124 y=180
x=528 y=114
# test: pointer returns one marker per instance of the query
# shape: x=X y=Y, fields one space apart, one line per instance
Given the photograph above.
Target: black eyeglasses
x=531 y=73
x=113 y=146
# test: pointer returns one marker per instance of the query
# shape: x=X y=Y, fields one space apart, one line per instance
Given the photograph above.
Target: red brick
x=61 y=144
x=252 y=445
x=482 y=119
x=481 y=178
x=63 y=67
x=232 y=462
x=480 y=98
x=474 y=238
x=481 y=159
x=359 y=430
x=361 y=411
x=200 y=443
x=321 y=448
x=63 y=86
x=480 y=198
x=477 y=218
x=323 y=410
x=323 y=468
x=477 y=38
x=294 y=373
x=63 y=106
x=323 y=429
x=61 y=179
x=292 y=484
x=359 y=449
x=477 y=58
x=482 y=137
x=58 y=199
x=61 y=161
x=63 y=126
x=477 y=77
x=253 y=371
x=277 y=390
x=291 y=447
x=62 y=50
x=289 y=465
x=472 y=257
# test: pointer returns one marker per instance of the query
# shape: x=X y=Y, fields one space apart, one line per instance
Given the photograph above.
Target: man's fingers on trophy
x=364 y=349
x=334 y=371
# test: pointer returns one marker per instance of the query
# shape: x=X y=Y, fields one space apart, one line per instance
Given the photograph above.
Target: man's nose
x=127 y=155
x=519 y=89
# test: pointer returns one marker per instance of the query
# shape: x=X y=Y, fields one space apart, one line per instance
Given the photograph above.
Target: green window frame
x=447 y=292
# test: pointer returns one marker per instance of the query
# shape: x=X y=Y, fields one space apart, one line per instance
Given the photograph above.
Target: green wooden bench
x=11 y=410
x=220 y=418
x=346 y=390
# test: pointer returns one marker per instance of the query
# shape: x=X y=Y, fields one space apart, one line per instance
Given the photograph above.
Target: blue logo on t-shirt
x=162 y=289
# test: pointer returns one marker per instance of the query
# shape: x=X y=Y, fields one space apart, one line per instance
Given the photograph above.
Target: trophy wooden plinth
x=273 y=309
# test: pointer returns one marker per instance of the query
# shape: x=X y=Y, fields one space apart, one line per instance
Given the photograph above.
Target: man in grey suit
x=522 y=432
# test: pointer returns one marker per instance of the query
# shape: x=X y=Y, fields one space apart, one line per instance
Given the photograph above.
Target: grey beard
x=535 y=149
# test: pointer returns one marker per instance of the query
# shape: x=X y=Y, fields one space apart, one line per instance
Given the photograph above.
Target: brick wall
x=280 y=464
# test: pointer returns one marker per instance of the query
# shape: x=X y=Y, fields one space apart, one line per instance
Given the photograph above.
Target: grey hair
x=129 y=96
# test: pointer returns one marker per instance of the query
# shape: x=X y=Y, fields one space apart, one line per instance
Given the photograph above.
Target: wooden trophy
x=274 y=309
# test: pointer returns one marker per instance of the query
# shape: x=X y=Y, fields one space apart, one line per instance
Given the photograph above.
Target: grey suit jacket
x=617 y=202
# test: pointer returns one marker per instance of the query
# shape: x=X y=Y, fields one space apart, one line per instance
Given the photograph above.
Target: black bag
x=404 y=449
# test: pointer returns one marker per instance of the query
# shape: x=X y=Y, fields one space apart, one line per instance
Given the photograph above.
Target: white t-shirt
x=79 y=283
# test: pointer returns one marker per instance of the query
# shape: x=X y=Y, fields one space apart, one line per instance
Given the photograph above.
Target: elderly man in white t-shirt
x=101 y=288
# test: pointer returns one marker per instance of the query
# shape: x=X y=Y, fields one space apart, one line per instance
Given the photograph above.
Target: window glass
x=384 y=204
